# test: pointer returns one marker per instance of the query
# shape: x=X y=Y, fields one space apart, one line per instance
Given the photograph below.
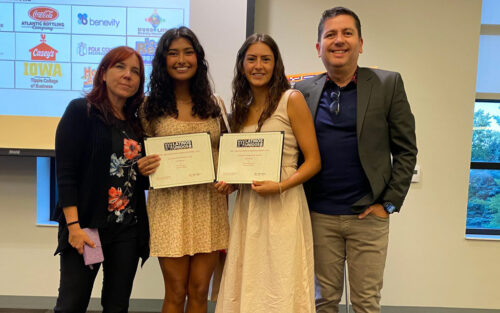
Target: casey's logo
x=43 y=14
x=43 y=52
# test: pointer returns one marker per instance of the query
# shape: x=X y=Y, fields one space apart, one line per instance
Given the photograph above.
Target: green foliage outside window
x=485 y=137
x=483 y=207
x=484 y=199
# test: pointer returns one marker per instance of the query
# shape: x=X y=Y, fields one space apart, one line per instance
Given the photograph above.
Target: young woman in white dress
x=269 y=266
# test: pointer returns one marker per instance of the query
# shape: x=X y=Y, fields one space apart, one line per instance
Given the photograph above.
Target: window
x=46 y=191
x=483 y=206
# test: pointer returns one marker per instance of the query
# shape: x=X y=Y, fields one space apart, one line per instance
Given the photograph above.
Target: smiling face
x=122 y=79
x=181 y=60
x=258 y=64
x=340 y=44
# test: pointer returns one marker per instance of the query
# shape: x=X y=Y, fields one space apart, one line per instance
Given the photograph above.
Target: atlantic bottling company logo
x=43 y=14
x=155 y=19
x=42 y=19
x=85 y=19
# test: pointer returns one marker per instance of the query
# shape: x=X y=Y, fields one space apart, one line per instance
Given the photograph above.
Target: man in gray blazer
x=366 y=135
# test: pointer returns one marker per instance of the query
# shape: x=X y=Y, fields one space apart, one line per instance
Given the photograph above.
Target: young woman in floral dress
x=188 y=224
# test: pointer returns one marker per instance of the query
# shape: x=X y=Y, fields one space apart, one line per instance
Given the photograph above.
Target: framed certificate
x=185 y=160
x=244 y=157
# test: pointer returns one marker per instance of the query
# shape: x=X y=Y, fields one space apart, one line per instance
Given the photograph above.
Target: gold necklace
x=184 y=101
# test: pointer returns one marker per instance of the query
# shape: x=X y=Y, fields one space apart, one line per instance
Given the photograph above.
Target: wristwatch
x=389 y=207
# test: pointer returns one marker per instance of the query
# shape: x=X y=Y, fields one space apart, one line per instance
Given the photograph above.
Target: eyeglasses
x=335 y=104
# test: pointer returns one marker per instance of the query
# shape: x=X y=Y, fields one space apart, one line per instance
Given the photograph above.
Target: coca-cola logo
x=43 y=13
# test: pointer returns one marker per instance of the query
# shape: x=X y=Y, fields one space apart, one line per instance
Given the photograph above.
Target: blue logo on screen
x=81 y=49
x=146 y=49
x=82 y=18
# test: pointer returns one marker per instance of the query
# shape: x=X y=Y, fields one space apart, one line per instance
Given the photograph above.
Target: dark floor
x=136 y=306
x=40 y=311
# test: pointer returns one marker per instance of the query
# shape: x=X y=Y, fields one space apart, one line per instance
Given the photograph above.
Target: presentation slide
x=50 y=50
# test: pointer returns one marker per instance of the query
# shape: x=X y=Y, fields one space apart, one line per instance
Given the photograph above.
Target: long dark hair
x=98 y=96
x=242 y=93
x=161 y=100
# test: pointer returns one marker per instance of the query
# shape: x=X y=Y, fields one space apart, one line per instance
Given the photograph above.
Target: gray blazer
x=385 y=127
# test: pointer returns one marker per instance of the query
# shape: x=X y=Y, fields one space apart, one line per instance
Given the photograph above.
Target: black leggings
x=119 y=267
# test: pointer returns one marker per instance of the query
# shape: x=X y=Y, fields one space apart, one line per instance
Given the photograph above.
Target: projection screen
x=50 y=50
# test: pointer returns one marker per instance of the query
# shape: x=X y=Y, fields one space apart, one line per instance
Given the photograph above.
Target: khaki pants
x=363 y=243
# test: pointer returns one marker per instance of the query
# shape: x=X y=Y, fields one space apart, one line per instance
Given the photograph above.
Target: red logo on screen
x=43 y=52
x=43 y=13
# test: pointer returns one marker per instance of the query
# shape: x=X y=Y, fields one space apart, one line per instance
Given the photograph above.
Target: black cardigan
x=83 y=154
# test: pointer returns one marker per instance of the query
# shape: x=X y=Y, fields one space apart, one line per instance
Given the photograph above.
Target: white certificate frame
x=185 y=160
x=245 y=157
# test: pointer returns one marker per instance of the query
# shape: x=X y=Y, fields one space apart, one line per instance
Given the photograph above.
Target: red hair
x=98 y=96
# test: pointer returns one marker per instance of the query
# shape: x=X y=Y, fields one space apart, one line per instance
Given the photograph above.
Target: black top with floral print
x=125 y=151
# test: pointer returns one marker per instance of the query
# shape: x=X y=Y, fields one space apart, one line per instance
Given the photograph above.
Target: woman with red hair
x=98 y=144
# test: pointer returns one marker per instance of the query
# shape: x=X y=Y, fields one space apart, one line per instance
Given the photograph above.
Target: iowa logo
x=42 y=69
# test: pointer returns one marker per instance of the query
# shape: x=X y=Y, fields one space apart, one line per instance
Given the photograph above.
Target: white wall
x=433 y=43
x=219 y=42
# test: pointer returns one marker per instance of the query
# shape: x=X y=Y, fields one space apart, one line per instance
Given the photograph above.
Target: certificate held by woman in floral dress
x=185 y=160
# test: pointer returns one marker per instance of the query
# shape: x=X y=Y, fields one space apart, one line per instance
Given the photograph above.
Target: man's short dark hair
x=336 y=11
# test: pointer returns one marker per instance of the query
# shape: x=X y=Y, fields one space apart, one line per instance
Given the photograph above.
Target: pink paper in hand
x=92 y=255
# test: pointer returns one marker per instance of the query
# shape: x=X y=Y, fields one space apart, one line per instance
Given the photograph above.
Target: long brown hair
x=98 y=96
x=242 y=93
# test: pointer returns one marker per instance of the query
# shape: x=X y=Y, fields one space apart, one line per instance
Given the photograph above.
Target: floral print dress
x=191 y=219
